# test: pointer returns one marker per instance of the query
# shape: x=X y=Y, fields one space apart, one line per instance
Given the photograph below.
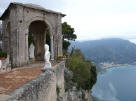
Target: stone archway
x=27 y=16
x=50 y=29
x=37 y=29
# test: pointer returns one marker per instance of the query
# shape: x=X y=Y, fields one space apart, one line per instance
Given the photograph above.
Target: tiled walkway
x=15 y=78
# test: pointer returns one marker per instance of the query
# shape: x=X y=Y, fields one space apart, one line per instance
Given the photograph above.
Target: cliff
x=49 y=86
x=71 y=92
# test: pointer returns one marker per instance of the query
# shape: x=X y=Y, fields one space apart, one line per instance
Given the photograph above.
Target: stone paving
x=17 y=77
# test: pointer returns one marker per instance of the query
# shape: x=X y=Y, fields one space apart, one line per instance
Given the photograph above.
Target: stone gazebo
x=19 y=20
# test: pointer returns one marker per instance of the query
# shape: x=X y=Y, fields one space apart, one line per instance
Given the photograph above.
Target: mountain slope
x=109 y=50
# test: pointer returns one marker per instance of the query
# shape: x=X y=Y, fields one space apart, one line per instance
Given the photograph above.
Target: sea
x=116 y=84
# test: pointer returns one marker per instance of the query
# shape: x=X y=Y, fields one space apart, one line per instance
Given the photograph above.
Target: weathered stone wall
x=60 y=79
x=42 y=88
x=77 y=95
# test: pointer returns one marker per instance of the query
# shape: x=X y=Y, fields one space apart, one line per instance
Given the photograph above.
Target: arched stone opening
x=39 y=34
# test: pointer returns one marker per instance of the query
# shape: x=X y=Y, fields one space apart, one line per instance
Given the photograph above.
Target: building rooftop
x=33 y=6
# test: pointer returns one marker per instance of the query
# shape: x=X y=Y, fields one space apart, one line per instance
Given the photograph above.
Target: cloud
x=93 y=19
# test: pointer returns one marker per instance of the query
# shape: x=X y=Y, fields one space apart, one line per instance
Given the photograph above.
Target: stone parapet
x=42 y=88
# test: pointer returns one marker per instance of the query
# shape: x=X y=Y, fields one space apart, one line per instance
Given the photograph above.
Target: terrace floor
x=17 y=77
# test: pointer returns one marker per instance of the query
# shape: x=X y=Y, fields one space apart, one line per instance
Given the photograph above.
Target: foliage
x=3 y=54
x=0 y=28
x=68 y=34
x=60 y=56
x=47 y=37
x=84 y=73
x=30 y=39
x=77 y=53
x=66 y=44
x=65 y=53
x=57 y=90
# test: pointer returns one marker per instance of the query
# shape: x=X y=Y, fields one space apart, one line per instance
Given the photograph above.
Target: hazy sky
x=93 y=19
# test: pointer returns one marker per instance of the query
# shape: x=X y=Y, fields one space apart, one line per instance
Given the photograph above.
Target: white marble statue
x=31 y=51
x=47 y=57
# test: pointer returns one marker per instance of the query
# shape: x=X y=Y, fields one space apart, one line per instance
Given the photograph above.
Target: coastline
x=111 y=65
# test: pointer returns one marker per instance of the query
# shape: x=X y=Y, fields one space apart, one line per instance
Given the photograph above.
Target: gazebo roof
x=33 y=6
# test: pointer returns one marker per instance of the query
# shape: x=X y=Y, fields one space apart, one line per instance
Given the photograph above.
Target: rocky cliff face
x=77 y=95
x=71 y=92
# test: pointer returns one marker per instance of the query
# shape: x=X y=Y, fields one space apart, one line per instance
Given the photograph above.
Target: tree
x=84 y=72
x=0 y=28
x=68 y=34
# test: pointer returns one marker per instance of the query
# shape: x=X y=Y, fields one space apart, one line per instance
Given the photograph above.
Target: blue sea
x=117 y=84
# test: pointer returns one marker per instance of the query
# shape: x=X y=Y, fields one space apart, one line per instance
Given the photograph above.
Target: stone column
x=26 y=46
x=59 y=36
x=60 y=44
x=52 y=49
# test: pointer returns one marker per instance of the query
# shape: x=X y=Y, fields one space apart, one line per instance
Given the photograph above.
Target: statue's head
x=46 y=47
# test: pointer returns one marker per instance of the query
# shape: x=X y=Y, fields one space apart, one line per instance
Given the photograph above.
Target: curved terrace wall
x=42 y=88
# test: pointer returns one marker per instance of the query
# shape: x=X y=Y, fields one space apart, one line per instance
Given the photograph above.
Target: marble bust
x=46 y=58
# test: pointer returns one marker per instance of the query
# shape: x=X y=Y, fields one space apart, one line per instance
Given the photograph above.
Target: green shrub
x=3 y=54
x=65 y=53
x=60 y=56
x=84 y=72
x=30 y=39
x=66 y=44
x=78 y=54
x=57 y=90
